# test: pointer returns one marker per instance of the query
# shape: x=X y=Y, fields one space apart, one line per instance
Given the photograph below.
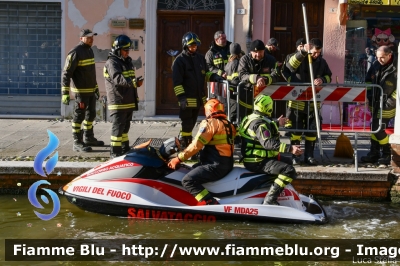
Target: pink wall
x=334 y=41
x=334 y=35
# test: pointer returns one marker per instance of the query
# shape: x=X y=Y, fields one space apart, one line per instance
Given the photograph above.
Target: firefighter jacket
x=216 y=135
x=232 y=74
x=217 y=57
x=285 y=71
x=300 y=69
x=80 y=67
x=268 y=52
x=260 y=139
x=386 y=77
x=120 y=84
x=250 y=68
x=189 y=75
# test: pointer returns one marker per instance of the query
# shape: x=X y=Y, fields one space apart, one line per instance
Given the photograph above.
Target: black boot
x=374 y=154
x=273 y=194
x=295 y=159
x=79 y=145
x=386 y=154
x=185 y=141
x=125 y=147
x=115 y=151
x=309 y=153
x=90 y=140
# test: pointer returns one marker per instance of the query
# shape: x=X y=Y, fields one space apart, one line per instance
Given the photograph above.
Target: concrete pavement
x=21 y=140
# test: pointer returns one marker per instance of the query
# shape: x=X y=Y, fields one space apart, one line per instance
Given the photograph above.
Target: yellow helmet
x=264 y=104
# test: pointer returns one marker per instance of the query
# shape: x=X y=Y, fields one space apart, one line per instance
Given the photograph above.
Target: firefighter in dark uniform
x=189 y=74
x=214 y=140
x=121 y=85
x=218 y=54
x=261 y=147
x=298 y=114
x=232 y=77
x=80 y=67
x=384 y=73
x=257 y=69
x=285 y=72
x=271 y=47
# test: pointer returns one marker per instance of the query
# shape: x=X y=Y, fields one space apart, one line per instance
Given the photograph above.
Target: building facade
x=38 y=35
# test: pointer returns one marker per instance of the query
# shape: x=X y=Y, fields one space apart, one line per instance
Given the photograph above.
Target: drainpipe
x=250 y=25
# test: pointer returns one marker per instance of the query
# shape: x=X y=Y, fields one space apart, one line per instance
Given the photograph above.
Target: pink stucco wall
x=334 y=41
x=97 y=16
x=334 y=35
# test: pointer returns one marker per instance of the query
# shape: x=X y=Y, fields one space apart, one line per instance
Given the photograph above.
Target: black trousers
x=204 y=173
x=381 y=134
x=84 y=109
x=189 y=118
x=274 y=168
x=121 y=123
x=300 y=120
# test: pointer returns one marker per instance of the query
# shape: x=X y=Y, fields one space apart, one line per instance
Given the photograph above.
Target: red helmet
x=214 y=108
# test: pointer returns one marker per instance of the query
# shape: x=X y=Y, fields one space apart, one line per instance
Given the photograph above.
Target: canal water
x=348 y=220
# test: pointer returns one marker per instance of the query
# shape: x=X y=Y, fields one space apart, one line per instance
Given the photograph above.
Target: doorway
x=171 y=27
x=287 y=26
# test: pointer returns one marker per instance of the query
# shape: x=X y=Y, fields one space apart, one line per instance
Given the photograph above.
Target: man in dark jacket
x=258 y=70
x=80 y=67
x=218 y=54
x=189 y=74
x=299 y=115
x=383 y=72
x=231 y=70
x=285 y=71
x=121 y=85
x=261 y=147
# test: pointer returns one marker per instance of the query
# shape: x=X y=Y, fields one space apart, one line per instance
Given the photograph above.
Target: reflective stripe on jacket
x=260 y=138
x=386 y=77
x=80 y=67
x=300 y=72
x=189 y=74
x=217 y=57
x=250 y=68
x=216 y=135
x=120 y=83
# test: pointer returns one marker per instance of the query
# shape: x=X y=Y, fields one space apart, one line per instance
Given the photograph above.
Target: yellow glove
x=65 y=99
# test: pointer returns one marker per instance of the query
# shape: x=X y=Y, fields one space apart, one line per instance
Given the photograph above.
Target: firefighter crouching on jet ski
x=261 y=147
x=216 y=134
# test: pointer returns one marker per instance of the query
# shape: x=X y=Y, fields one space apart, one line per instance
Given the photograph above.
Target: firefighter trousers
x=121 y=123
x=275 y=168
x=204 y=173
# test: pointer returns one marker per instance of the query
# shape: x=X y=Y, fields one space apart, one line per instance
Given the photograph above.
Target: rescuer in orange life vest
x=214 y=140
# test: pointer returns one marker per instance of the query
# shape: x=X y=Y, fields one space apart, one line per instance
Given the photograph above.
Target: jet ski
x=139 y=185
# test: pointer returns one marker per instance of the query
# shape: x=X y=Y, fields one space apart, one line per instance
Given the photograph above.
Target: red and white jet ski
x=140 y=185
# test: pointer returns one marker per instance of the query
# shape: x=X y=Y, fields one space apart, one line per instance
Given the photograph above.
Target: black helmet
x=170 y=147
x=190 y=38
x=121 y=42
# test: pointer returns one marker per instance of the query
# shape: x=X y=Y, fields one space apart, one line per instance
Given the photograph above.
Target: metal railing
x=354 y=95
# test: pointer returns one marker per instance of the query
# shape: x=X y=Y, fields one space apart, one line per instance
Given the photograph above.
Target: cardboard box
x=358 y=116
